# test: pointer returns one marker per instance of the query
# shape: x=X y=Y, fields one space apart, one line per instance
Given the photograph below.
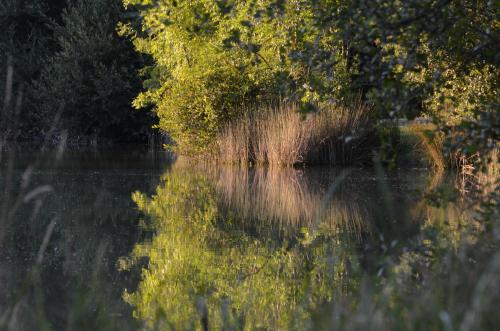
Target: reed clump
x=283 y=136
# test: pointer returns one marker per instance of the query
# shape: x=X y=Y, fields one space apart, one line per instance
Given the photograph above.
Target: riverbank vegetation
x=210 y=59
x=206 y=66
x=346 y=268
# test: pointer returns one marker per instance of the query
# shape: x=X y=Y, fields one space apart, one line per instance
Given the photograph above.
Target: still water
x=126 y=239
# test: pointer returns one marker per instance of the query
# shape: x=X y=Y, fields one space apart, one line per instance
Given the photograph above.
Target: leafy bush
x=213 y=57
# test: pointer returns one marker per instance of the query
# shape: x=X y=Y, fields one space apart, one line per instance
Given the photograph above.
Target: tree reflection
x=199 y=262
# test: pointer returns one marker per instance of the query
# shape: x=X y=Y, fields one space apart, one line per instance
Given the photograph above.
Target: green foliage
x=24 y=42
x=209 y=267
x=409 y=51
x=212 y=58
x=23 y=25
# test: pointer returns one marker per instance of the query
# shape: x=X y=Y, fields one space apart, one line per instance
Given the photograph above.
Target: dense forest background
x=71 y=71
x=81 y=66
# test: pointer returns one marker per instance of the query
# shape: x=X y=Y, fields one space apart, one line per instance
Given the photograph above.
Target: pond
x=127 y=239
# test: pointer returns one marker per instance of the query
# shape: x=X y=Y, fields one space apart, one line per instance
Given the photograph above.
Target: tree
x=91 y=78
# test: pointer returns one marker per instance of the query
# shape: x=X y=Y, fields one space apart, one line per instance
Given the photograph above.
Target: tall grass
x=282 y=136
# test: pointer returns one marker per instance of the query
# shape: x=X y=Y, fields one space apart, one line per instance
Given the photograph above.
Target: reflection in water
x=290 y=198
x=214 y=263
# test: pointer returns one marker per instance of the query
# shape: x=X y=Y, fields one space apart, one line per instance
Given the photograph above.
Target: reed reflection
x=291 y=199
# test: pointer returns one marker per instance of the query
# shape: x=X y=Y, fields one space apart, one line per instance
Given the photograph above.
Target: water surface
x=86 y=194
x=124 y=239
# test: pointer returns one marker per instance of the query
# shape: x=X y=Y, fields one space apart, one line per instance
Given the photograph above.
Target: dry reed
x=282 y=136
